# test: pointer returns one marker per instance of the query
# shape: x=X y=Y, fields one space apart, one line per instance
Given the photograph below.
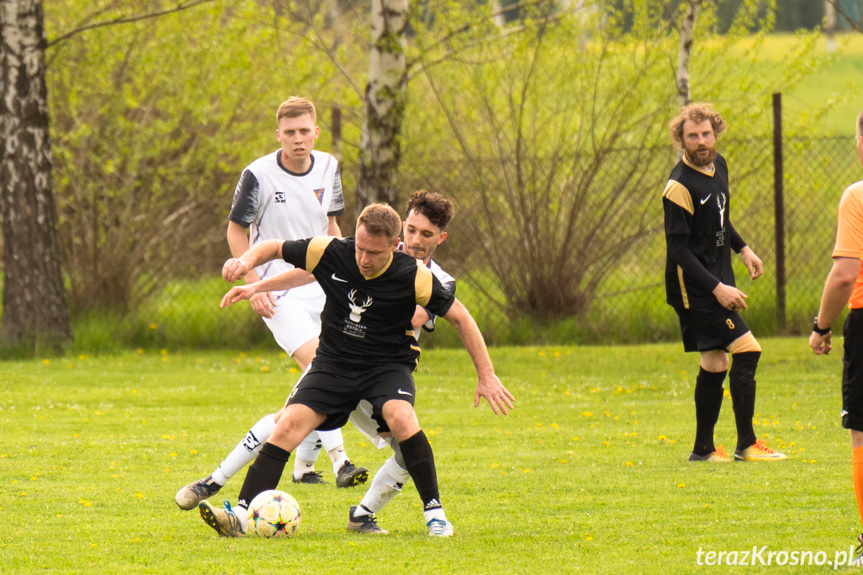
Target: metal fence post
x=779 y=211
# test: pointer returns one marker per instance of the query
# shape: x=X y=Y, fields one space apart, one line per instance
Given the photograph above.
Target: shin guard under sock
x=264 y=473
x=419 y=462
x=708 y=403
x=741 y=381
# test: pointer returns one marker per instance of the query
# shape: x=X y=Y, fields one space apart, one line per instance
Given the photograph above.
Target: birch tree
x=687 y=29
x=380 y=147
x=35 y=313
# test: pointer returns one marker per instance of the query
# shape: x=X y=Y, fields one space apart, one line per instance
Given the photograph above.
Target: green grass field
x=587 y=475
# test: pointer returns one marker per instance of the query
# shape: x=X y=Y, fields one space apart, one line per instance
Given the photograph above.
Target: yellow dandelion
x=681 y=485
x=265 y=368
x=46 y=361
x=587 y=414
x=154 y=326
x=140 y=350
x=527 y=470
x=629 y=464
x=194 y=452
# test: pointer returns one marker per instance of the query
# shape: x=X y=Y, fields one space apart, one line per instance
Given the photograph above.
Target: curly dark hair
x=697 y=112
x=432 y=205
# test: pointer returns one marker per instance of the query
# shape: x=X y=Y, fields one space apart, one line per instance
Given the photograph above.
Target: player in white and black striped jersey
x=424 y=229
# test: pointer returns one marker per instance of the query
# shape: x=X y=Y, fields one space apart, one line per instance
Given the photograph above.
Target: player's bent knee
x=743 y=344
x=401 y=418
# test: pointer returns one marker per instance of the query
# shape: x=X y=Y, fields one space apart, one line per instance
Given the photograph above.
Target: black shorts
x=335 y=390
x=852 y=371
x=710 y=329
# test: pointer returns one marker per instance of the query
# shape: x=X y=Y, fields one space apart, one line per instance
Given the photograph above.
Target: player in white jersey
x=292 y=193
x=424 y=229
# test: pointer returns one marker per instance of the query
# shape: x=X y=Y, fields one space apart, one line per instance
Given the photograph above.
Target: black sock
x=419 y=462
x=741 y=380
x=264 y=473
x=708 y=402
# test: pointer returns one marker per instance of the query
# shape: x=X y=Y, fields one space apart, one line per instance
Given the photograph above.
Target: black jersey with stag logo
x=367 y=321
x=697 y=223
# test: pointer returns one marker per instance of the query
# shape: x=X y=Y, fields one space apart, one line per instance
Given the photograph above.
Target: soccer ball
x=274 y=513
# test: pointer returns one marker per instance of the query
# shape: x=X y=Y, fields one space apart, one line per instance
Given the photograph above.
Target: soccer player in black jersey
x=700 y=286
x=367 y=351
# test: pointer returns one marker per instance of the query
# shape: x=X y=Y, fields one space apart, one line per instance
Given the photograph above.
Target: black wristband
x=817 y=329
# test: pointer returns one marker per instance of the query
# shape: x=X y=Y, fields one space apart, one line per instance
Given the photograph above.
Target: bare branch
x=125 y=20
x=856 y=24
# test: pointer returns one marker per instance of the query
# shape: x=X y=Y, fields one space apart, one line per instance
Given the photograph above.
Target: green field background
x=587 y=475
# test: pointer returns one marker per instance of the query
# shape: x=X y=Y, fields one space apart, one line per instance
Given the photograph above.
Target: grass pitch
x=587 y=475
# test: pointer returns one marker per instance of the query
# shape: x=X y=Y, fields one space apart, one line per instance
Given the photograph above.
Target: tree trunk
x=830 y=25
x=380 y=148
x=686 y=32
x=34 y=305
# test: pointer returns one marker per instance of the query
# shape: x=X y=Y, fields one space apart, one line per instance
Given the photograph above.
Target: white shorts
x=295 y=321
x=362 y=419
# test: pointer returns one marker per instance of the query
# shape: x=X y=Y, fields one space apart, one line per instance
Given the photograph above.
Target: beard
x=697 y=160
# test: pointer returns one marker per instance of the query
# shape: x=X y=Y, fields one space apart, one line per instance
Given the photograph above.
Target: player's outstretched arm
x=237 y=268
x=488 y=385
x=285 y=280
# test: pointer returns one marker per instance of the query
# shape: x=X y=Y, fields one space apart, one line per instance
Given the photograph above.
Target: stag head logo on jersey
x=357 y=310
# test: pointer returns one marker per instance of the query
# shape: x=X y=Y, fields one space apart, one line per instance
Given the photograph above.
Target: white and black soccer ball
x=274 y=513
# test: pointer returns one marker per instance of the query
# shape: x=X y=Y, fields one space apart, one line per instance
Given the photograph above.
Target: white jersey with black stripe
x=275 y=203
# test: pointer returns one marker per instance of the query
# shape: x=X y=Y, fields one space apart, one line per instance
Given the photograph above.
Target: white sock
x=243 y=515
x=335 y=445
x=386 y=484
x=338 y=457
x=305 y=455
x=245 y=451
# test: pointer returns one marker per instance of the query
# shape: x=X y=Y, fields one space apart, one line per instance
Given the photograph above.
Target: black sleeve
x=430 y=323
x=245 y=204
x=294 y=252
x=737 y=242
x=678 y=251
x=441 y=298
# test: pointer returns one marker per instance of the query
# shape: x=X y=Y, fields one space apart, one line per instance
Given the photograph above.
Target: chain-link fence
x=627 y=302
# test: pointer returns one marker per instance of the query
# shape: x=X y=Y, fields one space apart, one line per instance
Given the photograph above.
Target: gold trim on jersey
x=683 y=293
x=382 y=270
x=315 y=251
x=423 y=283
x=677 y=193
x=708 y=171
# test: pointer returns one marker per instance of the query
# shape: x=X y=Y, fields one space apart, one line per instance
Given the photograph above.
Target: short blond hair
x=294 y=107
x=697 y=112
x=380 y=220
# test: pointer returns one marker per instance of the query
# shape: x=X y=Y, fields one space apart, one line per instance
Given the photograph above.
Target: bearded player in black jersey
x=367 y=350
x=700 y=285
